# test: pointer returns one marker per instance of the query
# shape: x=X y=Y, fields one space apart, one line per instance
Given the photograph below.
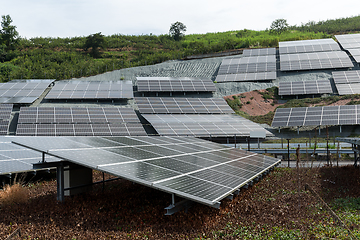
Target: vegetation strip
x=307 y=187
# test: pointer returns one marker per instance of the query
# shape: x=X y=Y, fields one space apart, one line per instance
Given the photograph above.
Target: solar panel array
x=183 y=105
x=258 y=52
x=170 y=84
x=67 y=121
x=14 y=158
x=5 y=115
x=347 y=82
x=317 y=116
x=26 y=91
x=193 y=169
x=305 y=87
x=202 y=125
x=349 y=41
x=252 y=68
x=315 y=60
x=306 y=46
x=91 y=90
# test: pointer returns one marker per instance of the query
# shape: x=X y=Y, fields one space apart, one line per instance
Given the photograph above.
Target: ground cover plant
x=277 y=207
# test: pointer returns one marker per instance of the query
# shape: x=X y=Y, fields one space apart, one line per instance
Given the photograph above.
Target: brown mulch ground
x=254 y=104
x=127 y=210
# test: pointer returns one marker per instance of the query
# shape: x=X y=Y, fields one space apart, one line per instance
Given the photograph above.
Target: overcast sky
x=70 y=18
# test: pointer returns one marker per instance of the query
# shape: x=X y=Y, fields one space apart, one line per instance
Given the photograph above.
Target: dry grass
x=15 y=193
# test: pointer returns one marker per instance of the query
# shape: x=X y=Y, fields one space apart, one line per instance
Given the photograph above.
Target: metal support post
x=43 y=157
x=60 y=182
x=235 y=140
x=288 y=141
x=248 y=142
x=258 y=143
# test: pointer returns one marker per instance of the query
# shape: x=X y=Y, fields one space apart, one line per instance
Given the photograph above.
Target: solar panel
x=317 y=116
x=247 y=68
x=183 y=105
x=194 y=169
x=341 y=77
x=15 y=159
x=248 y=60
x=348 y=41
x=306 y=46
x=91 y=90
x=258 y=52
x=317 y=60
x=355 y=53
x=245 y=77
x=5 y=115
x=169 y=84
x=349 y=88
x=305 y=87
x=202 y=125
x=68 y=121
x=25 y=91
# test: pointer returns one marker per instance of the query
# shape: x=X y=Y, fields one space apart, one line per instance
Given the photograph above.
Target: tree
x=177 y=30
x=95 y=42
x=279 y=26
x=8 y=33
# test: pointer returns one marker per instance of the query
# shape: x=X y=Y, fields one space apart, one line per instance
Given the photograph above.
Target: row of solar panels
x=185 y=116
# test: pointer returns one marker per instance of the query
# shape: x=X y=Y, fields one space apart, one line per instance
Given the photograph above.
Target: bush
x=15 y=193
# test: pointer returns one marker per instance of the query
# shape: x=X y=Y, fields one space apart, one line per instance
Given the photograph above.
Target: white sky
x=70 y=18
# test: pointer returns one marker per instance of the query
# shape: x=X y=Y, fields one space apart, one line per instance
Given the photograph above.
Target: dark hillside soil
x=126 y=210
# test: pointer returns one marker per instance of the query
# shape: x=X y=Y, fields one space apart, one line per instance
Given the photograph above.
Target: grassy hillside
x=63 y=58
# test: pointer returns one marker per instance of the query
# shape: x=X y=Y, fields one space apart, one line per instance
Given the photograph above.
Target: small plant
x=248 y=102
x=122 y=78
x=251 y=98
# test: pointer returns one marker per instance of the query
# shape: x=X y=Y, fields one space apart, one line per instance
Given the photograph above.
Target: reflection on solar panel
x=317 y=116
x=202 y=125
x=194 y=169
x=5 y=114
x=66 y=121
x=91 y=90
x=258 y=52
x=169 y=84
x=305 y=87
x=317 y=60
x=183 y=105
x=341 y=77
x=243 y=77
x=26 y=91
x=306 y=46
x=355 y=52
x=349 y=41
x=14 y=158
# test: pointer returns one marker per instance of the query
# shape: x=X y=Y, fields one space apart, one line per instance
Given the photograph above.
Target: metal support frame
x=176 y=207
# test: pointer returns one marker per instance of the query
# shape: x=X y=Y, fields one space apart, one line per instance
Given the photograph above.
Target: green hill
x=63 y=58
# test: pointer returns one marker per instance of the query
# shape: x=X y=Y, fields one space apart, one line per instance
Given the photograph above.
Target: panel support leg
x=60 y=182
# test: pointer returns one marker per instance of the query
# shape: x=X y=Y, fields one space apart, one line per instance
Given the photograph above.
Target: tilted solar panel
x=194 y=169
